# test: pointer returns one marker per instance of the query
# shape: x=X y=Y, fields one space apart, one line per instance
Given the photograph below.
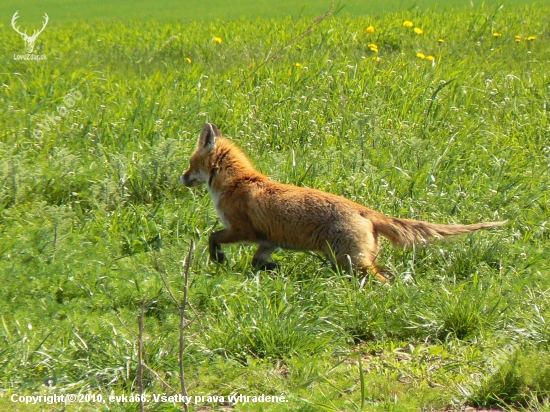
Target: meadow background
x=448 y=125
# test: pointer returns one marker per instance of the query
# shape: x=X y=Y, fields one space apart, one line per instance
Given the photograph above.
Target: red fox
x=274 y=215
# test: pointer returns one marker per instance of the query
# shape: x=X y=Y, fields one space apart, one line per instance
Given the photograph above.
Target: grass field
x=67 y=11
x=448 y=125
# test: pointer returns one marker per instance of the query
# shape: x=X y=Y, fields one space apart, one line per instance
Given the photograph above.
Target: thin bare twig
x=164 y=45
x=124 y=324
x=271 y=56
x=166 y=285
x=145 y=365
x=159 y=270
x=187 y=265
x=159 y=377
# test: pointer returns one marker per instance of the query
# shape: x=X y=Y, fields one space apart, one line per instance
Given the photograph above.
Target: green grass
x=92 y=212
x=67 y=11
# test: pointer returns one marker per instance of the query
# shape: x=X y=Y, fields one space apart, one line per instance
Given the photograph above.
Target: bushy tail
x=406 y=232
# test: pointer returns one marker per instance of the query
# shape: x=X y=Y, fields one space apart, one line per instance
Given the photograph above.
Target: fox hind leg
x=381 y=273
x=365 y=266
x=361 y=250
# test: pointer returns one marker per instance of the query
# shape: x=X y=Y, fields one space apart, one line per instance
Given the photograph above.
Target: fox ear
x=208 y=136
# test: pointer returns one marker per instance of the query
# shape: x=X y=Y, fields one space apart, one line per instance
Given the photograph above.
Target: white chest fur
x=216 y=199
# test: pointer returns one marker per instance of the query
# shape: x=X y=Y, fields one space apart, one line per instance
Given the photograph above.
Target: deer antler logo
x=29 y=39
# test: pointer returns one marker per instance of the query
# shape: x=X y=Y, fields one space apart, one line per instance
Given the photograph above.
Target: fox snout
x=190 y=179
x=182 y=180
x=185 y=179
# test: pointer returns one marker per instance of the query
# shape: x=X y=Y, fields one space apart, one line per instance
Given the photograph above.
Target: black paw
x=262 y=265
x=218 y=256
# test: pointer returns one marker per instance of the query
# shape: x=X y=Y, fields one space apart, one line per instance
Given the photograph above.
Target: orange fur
x=274 y=215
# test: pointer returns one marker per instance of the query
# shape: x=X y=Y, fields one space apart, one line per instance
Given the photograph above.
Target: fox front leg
x=260 y=261
x=215 y=249
x=226 y=236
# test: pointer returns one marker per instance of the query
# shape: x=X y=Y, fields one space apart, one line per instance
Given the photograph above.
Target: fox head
x=200 y=163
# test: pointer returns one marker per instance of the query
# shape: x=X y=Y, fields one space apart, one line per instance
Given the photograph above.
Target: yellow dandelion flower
x=188 y=60
x=430 y=58
x=370 y=29
x=299 y=65
x=218 y=40
x=530 y=38
x=421 y=55
x=441 y=41
x=408 y=23
x=418 y=30
x=376 y=58
x=518 y=39
x=373 y=47
x=495 y=34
